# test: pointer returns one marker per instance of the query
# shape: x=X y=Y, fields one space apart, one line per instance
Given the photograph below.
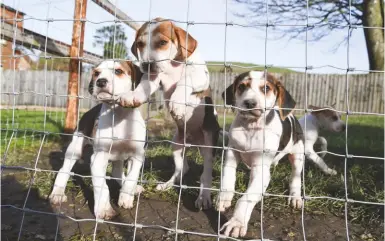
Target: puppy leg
x=139 y=188
x=73 y=153
x=228 y=180
x=180 y=163
x=118 y=171
x=296 y=161
x=323 y=145
x=204 y=198
x=126 y=197
x=102 y=207
x=310 y=153
x=259 y=180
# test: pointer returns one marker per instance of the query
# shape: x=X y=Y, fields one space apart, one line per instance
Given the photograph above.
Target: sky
x=216 y=42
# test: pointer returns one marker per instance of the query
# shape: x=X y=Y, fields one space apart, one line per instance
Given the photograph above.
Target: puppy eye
x=265 y=89
x=118 y=71
x=163 y=42
x=334 y=118
x=140 y=44
x=241 y=87
x=96 y=73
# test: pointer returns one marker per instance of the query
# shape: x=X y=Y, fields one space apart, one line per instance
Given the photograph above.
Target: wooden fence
x=366 y=91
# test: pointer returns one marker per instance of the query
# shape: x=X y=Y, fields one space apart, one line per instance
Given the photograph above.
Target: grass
x=365 y=177
x=239 y=67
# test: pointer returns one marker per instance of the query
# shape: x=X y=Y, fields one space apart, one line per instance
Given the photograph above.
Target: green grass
x=218 y=66
x=365 y=177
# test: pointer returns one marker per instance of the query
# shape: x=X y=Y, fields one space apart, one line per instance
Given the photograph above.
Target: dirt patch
x=156 y=212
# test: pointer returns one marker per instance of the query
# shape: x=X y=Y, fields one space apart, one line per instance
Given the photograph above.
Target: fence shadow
x=35 y=225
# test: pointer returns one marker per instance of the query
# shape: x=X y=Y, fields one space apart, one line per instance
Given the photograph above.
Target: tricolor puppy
x=118 y=134
x=258 y=133
x=162 y=49
x=320 y=119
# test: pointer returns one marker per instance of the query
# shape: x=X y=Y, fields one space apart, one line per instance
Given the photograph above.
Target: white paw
x=128 y=100
x=139 y=189
x=235 y=228
x=224 y=201
x=105 y=212
x=204 y=200
x=126 y=200
x=331 y=172
x=164 y=186
x=295 y=202
x=57 y=195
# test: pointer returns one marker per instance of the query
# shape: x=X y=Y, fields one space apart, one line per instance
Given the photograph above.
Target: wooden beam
x=109 y=7
x=75 y=69
x=30 y=39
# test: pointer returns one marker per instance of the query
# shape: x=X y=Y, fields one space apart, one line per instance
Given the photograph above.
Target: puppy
x=162 y=49
x=118 y=134
x=320 y=119
x=258 y=133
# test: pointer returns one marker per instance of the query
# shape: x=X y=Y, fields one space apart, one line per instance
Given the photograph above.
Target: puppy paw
x=224 y=201
x=235 y=227
x=331 y=172
x=128 y=100
x=204 y=200
x=164 y=186
x=57 y=196
x=295 y=202
x=139 y=189
x=126 y=200
x=105 y=212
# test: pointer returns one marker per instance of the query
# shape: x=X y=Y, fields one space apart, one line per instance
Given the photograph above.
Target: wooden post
x=74 y=75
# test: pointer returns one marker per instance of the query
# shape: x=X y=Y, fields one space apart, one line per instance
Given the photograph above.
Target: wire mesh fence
x=33 y=118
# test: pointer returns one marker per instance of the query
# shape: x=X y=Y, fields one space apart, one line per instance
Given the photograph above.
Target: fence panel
x=365 y=90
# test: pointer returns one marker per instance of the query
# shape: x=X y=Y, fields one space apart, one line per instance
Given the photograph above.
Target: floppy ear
x=229 y=95
x=91 y=85
x=186 y=48
x=134 y=49
x=136 y=76
x=284 y=101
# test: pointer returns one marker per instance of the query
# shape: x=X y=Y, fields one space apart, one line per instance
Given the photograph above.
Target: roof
x=11 y=9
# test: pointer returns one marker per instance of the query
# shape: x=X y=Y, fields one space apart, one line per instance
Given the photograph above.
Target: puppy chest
x=254 y=140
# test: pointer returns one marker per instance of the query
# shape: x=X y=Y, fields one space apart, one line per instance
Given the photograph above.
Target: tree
x=113 y=47
x=325 y=16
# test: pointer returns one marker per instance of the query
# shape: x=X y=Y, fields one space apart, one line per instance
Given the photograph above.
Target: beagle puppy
x=117 y=134
x=163 y=49
x=321 y=118
x=258 y=133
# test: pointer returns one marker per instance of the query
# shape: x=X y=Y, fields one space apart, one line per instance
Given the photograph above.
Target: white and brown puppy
x=162 y=49
x=258 y=133
x=118 y=134
x=321 y=118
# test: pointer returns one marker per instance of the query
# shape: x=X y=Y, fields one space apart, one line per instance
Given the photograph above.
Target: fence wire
x=12 y=126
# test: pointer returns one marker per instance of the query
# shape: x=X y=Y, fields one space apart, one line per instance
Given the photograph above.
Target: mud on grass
x=324 y=219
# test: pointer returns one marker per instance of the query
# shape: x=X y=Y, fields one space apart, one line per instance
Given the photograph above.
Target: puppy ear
x=284 y=100
x=134 y=72
x=229 y=98
x=187 y=44
x=136 y=76
x=91 y=85
x=134 y=49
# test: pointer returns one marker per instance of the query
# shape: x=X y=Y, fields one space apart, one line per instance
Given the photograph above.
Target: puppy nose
x=101 y=83
x=250 y=104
